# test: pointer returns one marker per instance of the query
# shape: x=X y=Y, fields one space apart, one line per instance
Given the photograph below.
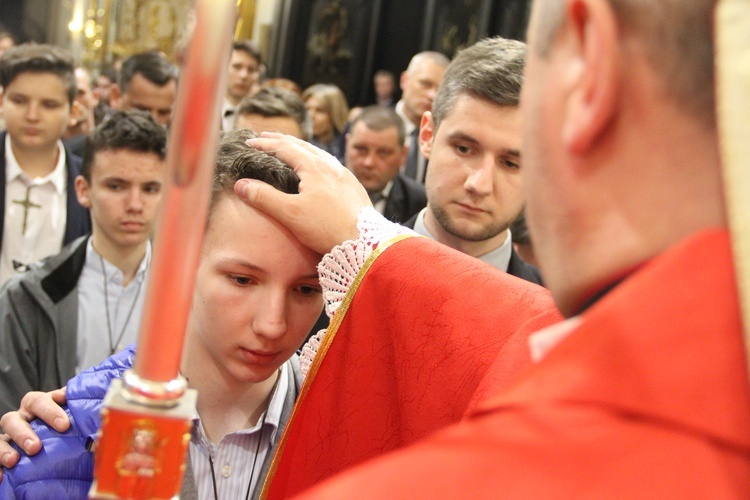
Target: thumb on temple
x=281 y=206
x=259 y=195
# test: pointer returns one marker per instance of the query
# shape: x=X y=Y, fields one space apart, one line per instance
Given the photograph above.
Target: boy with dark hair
x=256 y=296
x=54 y=317
x=38 y=208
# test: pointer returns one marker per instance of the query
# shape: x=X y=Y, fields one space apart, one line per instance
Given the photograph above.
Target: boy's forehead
x=129 y=159
x=38 y=84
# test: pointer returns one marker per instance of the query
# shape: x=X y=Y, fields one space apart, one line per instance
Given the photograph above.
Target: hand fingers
x=17 y=428
x=59 y=396
x=45 y=406
x=264 y=197
x=296 y=153
x=8 y=456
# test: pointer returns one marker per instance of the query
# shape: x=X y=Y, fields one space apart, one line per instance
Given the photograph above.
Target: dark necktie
x=375 y=197
x=412 y=159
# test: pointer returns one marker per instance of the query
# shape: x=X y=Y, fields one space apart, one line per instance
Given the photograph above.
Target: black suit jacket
x=516 y=267
x=78 y=220
x=406 y=199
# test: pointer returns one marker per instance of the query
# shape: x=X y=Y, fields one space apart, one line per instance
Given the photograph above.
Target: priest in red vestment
x=395 y=366
x=643 y=391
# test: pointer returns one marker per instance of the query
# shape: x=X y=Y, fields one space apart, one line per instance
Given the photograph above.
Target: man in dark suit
x=375 y=151
x=472 y=138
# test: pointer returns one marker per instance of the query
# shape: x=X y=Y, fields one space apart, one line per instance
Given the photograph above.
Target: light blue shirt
x=93 y=344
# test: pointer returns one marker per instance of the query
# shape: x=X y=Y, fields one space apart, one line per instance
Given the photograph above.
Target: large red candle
x=190 y=165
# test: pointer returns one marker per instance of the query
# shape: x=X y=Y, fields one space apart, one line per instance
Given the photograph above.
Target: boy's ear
x=82 y=191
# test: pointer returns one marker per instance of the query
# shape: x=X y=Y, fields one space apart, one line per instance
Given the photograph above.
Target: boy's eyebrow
x=254 y=267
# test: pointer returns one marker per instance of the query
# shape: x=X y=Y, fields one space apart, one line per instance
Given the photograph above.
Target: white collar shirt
x=498 y=258
x=35 y=214
x=238 y=459
x=228 y=115
x=382 y=201
x=124 y=303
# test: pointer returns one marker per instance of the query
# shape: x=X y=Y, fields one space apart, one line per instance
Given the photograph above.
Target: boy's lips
x=259 y=357
x=133 y=225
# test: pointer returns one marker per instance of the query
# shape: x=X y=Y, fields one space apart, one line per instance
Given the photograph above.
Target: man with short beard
x=472 y=138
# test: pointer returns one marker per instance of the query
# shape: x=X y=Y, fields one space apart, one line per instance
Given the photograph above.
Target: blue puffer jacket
x=65 y=468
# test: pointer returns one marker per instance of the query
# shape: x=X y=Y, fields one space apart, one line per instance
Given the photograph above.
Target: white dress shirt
x=228 y=115
x=45 y=218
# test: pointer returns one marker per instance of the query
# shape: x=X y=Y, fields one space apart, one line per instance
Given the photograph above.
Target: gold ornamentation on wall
x=116 y=29
x=245 y=20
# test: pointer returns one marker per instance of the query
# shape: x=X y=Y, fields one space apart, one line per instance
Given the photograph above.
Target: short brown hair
x=491 y=69
x=39 y=58
x=236 y=160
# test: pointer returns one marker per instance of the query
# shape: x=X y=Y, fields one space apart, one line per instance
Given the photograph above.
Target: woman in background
x=329 y=111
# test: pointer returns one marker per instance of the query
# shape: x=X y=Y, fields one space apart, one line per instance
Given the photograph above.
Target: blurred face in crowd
x=147 y=96
x=374 y=156
x=259 y=123
x=85 y=96
x=419 y=86
x=321 y=119
x=103 y=89
x=36 y=110
x=384 y=86
x=243 y=74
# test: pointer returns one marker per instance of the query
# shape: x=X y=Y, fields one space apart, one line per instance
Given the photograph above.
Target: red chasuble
x=647 y=398
x=403 y=356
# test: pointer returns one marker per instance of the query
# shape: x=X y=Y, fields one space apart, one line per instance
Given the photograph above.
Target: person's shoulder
x=293 y=367
x=521 y=269
x=72 y=160
x=410 y=184
x=41 y=269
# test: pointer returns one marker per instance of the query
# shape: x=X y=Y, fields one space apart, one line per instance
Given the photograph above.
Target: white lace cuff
x=340 y=267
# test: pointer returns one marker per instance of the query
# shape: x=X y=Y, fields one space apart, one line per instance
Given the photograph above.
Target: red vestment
x=405 y=356
x=647 y=398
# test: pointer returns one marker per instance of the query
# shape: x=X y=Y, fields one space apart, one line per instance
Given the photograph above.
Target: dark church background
x=309 y=41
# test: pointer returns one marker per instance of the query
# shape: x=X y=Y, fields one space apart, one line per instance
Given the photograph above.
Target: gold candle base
x=141 y=449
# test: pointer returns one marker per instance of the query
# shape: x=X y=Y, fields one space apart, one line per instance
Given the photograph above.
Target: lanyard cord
x=257 y=449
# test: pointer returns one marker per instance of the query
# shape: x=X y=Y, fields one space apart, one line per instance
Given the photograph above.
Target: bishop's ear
x=82 y=191
x=595 y=66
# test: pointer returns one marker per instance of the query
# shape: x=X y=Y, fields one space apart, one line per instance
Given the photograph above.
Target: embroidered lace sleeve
x=340 y=267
